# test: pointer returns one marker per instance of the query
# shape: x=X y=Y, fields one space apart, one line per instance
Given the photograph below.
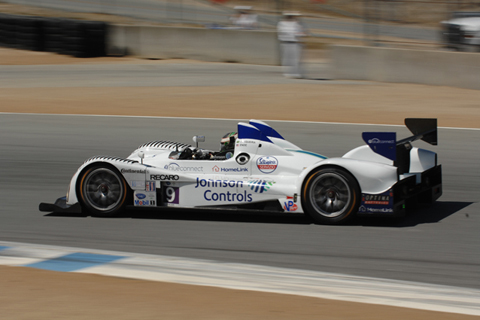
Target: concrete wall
x=244 y=46
x=456 y=69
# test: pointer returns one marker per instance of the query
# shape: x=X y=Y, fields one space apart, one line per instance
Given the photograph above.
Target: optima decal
x=383 y=199
x=377 y=203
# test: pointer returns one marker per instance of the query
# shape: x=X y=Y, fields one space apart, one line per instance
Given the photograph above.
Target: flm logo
x=267 y=164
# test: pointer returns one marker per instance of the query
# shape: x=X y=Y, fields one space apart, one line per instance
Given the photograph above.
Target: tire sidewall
x=352 y=205
x=115 y=211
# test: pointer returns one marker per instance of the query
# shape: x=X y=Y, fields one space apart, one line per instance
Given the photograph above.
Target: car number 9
x=170 y=194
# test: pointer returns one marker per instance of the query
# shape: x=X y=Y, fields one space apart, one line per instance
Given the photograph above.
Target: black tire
x=95 y=34
x=330 y=196
x=52 y=35
x=102 y=190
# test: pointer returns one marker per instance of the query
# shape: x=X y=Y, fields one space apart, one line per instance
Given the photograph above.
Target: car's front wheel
x=330 y=196
x=102 y=190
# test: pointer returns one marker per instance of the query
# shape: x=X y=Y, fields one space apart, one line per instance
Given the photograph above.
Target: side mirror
x=198 y=139
x=141 y=155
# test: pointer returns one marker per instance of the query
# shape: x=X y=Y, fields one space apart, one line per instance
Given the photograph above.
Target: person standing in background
x=290 y=32
x=245 y=18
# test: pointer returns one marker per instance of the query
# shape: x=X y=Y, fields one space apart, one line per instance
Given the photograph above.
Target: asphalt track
x=438 y=244
x=156 y=75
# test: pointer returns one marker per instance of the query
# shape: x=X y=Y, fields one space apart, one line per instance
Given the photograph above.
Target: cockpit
x=227 y=149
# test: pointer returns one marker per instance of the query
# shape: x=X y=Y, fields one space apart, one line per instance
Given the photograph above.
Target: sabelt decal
x=150 y=186
x=267 y=164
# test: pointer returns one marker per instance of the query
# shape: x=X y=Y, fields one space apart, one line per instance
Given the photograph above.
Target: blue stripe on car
x=308 y=152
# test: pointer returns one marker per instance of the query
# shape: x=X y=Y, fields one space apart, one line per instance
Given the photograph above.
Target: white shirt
x=289 y=31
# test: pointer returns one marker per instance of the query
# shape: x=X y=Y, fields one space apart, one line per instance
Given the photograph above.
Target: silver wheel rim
x=330 y=194
x=103 y=189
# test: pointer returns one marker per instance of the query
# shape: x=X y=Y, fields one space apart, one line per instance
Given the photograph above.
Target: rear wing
x=386 y=144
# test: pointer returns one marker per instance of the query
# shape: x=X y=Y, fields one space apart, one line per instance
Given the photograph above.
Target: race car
x=256 y=168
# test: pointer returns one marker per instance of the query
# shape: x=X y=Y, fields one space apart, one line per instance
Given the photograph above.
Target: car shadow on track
x=204 y=215
x=223 y=216
x=420 y=214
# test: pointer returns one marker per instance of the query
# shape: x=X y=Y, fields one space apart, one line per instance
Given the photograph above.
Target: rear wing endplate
x=385 y=143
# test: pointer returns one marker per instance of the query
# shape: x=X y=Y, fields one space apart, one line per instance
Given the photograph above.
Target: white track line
x=221 y=119
x=260 y=278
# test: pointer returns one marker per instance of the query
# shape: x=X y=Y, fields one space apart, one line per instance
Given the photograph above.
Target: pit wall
x=220 y=45
x=454 y=69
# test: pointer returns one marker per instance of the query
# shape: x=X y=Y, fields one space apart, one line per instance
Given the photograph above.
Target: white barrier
x=222 y=45
x=456 y=69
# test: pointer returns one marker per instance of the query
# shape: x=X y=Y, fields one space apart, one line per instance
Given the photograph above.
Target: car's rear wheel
x=103 y=190
x=330 y=196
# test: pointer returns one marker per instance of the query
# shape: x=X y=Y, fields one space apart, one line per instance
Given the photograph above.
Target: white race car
x=259 y=169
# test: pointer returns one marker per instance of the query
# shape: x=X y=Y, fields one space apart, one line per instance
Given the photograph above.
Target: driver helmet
x=226 y=139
